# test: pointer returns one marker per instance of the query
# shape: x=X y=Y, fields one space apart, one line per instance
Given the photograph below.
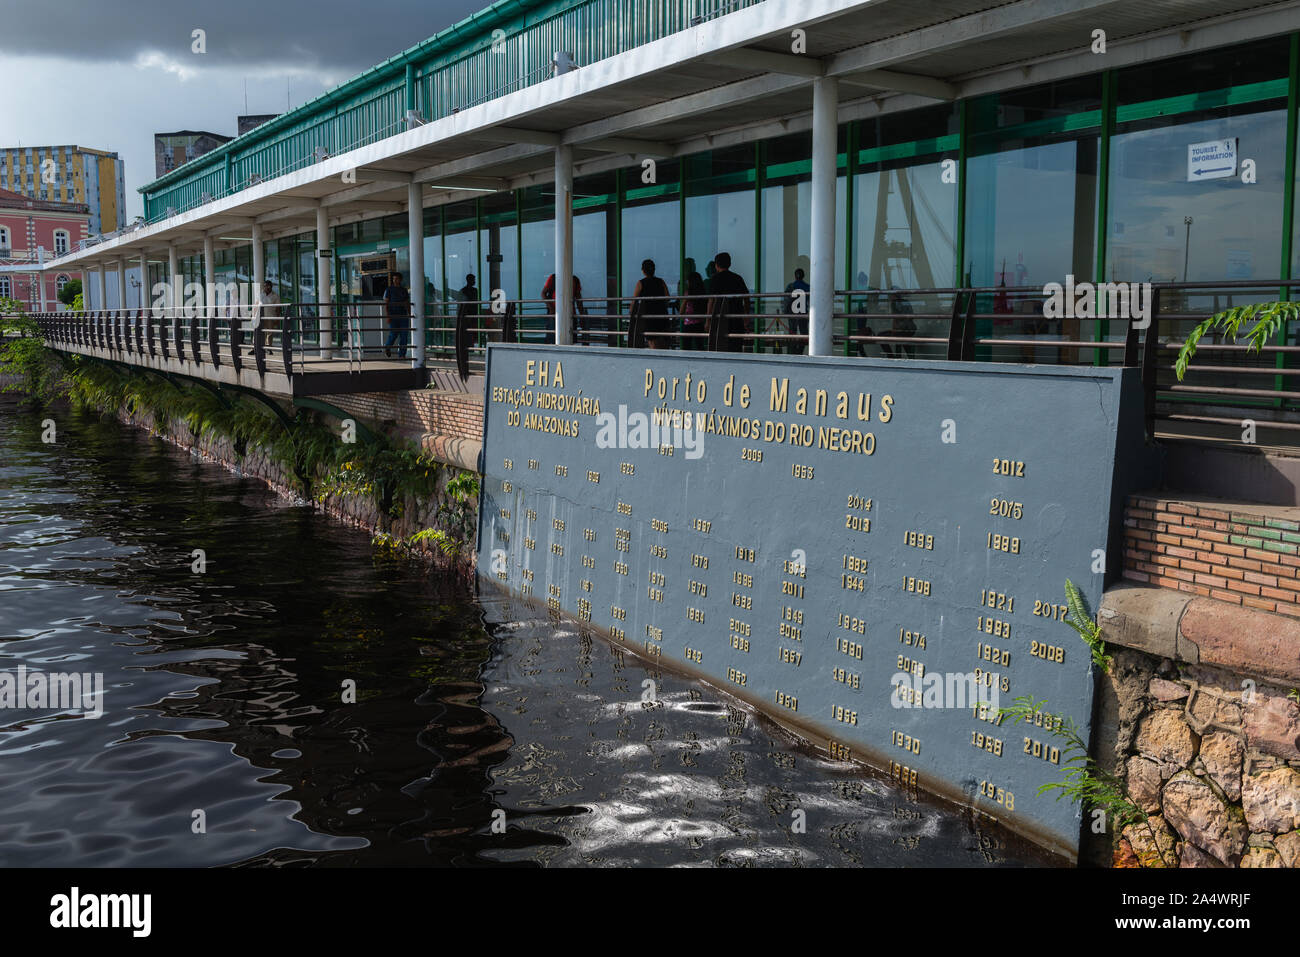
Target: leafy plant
x=1086 y=782
x=1268 y=317
x=1081 y=620
x=36 y=371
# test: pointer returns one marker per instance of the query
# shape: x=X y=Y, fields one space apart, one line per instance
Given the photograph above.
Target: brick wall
x=455 y=414
x=1243 y=554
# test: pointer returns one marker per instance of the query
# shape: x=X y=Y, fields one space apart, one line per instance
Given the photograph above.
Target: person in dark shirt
x=469 y=291
x=728 y=291
x=800 y=323
x=397 y=304
x=650 y=299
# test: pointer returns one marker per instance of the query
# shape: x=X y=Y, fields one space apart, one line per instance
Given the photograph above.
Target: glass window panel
x=433 y=274
x=1031 y=209
x=593 y=259
x=499 y=243
x=1204 y=71
x=461 y=247
x=538 y=262
x=652 y=232
x=1295 y=237
x=721 y=222
x=1235 y=228
x=905 y=227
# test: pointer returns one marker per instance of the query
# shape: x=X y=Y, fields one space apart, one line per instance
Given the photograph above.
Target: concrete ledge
x=1202 y=631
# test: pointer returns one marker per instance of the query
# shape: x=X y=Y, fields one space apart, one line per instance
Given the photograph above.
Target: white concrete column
x=176 y=298
x=103 y=287
x=146 y=298
x=121 y=284
x=563 y=244
x=259 y=258
x=323 y=283
x=415 y=282
x=209 y=279
x=821 y=268
x=87 y=299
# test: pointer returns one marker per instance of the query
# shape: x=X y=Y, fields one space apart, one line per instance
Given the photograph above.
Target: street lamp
x=1187 y=244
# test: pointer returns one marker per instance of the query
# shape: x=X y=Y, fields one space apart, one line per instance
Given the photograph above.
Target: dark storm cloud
x=328 y=35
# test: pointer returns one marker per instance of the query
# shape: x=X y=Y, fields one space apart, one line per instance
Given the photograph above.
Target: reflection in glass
x=651 y=232
x=1236 y=227
x=721 y=223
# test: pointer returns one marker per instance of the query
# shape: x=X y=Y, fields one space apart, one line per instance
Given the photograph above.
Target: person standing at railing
x=799 y=323
x=548 y=294
x=268 y=312
x=650 y=300
x=694 y=308
x=729 y=294
x=469 y=291
x=397 y=304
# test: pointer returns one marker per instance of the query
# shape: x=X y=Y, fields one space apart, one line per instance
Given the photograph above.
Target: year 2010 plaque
x=872 y=551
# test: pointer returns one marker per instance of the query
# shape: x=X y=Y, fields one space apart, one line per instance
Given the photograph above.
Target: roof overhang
x=728 y=80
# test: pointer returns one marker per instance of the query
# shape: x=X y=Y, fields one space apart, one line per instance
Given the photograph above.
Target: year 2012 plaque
x=872 y=551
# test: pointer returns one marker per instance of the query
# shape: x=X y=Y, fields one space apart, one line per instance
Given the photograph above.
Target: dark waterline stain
x=223 y=702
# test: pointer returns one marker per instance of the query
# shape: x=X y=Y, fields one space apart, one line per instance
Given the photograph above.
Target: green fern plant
x=1268 y=318
x=1083 y=623
x=1086 y=782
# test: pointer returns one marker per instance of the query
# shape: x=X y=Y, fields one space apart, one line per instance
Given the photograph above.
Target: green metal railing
x=499 y=50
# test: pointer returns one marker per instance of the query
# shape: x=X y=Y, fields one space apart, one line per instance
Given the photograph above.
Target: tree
x=70 y=291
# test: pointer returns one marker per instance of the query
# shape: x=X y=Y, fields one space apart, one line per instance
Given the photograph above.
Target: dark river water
x=479 y=735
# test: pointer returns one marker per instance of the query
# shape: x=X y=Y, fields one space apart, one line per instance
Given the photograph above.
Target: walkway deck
x=286 y=369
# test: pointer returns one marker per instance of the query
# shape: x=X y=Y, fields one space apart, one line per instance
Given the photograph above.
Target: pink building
x=27 y=226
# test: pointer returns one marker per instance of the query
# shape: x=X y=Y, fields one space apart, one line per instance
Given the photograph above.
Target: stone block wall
x=1199 y=718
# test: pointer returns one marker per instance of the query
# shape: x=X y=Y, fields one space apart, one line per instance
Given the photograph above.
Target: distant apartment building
x=171 y=150
x=252 y=122
x=69 y=174
x=26 y=226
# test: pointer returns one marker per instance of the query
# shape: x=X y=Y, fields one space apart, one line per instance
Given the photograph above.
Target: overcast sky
x=108 y=74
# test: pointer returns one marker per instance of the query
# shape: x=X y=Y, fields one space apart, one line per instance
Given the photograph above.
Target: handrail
x=956 y=323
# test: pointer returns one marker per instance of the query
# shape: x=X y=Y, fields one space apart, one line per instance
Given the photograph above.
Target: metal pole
x=415 y=238
x=563 y=244
x=146 y=298
x=323 y=259
x=259 y=274
x=177 y=296
x=209 y=279
x=259 y=259
x=821 y=299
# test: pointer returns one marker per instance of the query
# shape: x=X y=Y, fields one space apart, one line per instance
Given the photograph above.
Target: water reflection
x=226 y=739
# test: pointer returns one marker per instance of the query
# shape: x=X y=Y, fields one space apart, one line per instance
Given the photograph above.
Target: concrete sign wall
x=872 y=551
